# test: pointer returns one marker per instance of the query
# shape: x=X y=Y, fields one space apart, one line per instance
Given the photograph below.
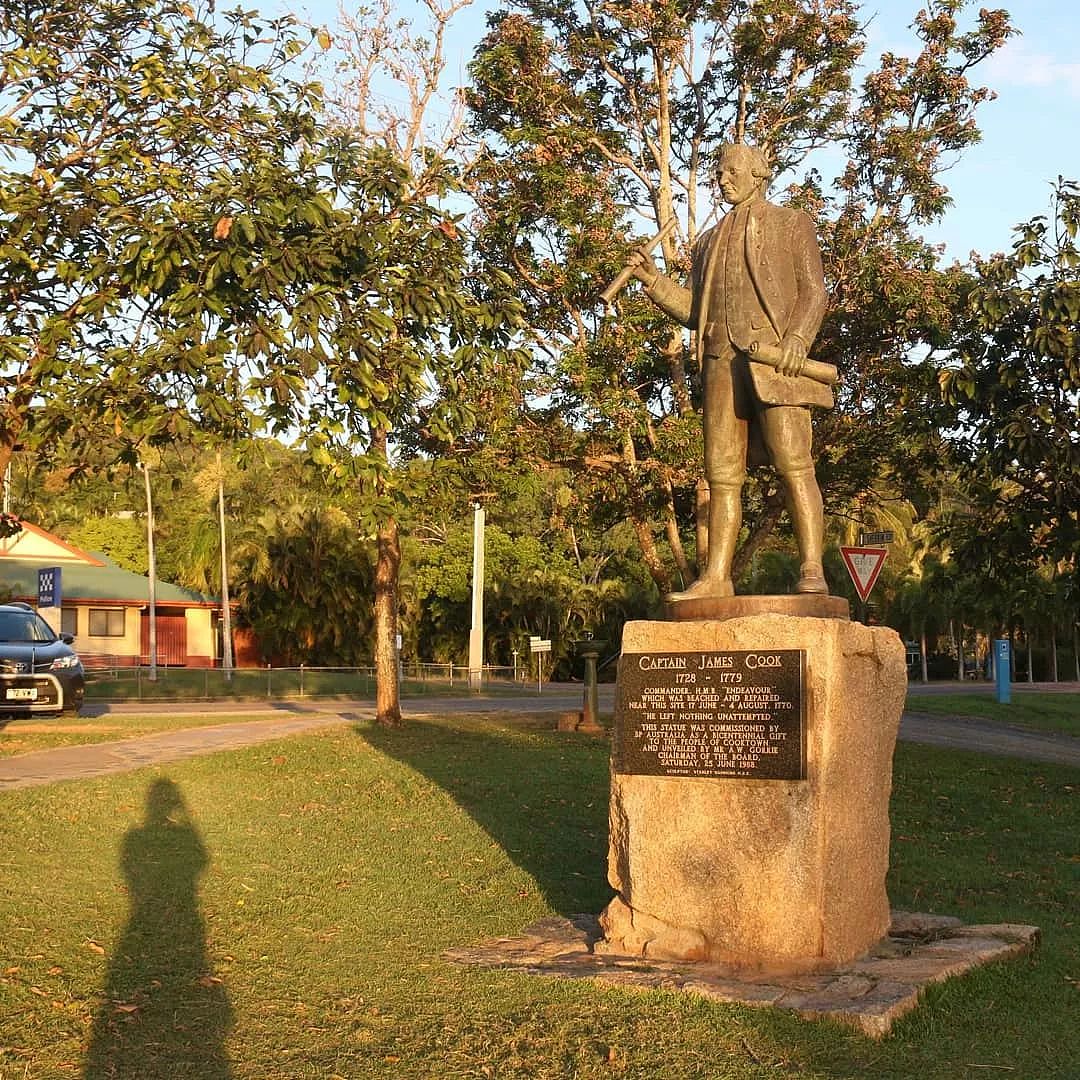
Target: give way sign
x=864 y=564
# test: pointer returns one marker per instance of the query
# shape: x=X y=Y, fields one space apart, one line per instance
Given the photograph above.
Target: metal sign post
x=539 y=646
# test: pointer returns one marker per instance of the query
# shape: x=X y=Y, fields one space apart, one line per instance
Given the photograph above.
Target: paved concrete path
x=100 y=759
x=986 y=737
x=283 y=719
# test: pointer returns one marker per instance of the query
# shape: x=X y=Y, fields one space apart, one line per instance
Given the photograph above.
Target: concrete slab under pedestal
x=870 y=994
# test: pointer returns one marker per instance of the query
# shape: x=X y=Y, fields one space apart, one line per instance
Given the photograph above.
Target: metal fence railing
x=114 y=678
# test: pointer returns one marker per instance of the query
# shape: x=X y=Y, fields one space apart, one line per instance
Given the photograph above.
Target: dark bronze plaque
x=716 y=714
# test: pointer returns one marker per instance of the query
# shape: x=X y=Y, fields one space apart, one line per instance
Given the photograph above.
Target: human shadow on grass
x=542 y=798
x=164 y=1014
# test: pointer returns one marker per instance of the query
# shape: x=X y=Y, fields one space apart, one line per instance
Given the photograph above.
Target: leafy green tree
x=304 y=586
x=1014 y=389
x=119 y=124
x=1011 y=387
x=383 y=342
x=257 y=476
x=395 y=333
x=532 y=587
x=921 y=604
x=190 y=249
x=600 y=121
x=123 y=540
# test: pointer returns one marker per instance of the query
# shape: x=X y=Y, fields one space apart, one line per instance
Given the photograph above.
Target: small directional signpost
x=876 y=539
x=540 y=646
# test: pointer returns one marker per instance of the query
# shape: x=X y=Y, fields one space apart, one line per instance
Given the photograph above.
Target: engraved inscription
x=712 y=714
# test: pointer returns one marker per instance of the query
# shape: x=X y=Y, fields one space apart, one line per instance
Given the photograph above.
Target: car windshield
x=24 y=626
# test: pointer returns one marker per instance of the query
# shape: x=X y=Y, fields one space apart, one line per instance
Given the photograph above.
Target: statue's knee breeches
x=789 y=438
x=725 y=474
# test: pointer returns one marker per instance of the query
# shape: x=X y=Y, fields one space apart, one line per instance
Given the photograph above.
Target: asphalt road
x=285 y=718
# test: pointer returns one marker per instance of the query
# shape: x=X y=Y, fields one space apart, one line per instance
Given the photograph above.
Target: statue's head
x=742 y=172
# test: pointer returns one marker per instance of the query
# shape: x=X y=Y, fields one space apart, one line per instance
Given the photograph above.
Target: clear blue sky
x=1030 y=132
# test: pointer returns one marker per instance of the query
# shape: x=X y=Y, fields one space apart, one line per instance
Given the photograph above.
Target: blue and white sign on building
x=48 y=587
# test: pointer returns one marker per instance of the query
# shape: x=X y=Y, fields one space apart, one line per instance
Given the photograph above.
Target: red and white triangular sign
x=864 y=565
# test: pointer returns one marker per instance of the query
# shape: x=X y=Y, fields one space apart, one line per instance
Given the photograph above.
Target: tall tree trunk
x=958 y=642
x=387 y=567
x=387 y=574
x=671 y=529
x=647 y=543
x=1053 y=651
x=765 y=527
x=922 y=652
x=675 y=352
x=1031 y=659
x=639 y=518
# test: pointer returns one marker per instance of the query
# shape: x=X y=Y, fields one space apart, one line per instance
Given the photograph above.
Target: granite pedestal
x=759 y=875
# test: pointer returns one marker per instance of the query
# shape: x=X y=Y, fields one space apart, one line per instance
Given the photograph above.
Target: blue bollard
x=1001 y=666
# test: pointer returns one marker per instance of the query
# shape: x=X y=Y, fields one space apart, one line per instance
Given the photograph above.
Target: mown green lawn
x=280 y=912
x=1053 y=713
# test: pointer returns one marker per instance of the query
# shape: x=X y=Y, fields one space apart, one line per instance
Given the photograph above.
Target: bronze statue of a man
x=756 y=286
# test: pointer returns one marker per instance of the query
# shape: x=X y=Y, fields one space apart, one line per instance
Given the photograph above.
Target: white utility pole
x=226 y=612
x=476 y=634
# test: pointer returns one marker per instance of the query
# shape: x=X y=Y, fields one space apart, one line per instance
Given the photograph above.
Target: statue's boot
x=706 y=585
x=725 y=520
x=808 y=520
x=812 y=579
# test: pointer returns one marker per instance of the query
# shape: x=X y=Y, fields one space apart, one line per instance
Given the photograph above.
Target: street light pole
x=226 y=612
x=151 y=559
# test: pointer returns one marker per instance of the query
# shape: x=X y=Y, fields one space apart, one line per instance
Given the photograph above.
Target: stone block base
x=766 y=876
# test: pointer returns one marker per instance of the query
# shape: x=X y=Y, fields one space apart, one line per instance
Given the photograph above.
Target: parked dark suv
x=39 y=672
